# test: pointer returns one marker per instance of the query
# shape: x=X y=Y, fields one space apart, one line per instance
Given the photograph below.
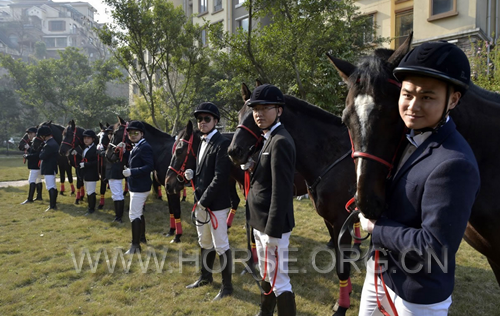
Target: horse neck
x=57 y=132
x=310 y=134
x=161 y=143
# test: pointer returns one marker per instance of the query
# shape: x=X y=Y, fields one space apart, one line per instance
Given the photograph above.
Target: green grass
x=39 y=275
x=12 y=168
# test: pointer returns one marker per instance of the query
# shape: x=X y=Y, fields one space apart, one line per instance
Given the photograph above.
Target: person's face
x=134 y=135
x=422 y=101
x=31 y=136
x=88 y=140
x=265 y=115
x=206 y=122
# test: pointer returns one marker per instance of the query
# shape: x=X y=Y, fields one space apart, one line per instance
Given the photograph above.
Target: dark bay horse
x=62 y=161
x=323 y=159
x=102 y=141
x=477 y=117
x=162 y=144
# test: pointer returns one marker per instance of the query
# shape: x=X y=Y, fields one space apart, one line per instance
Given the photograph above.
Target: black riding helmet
x=110 y=129
x=137 y=125
x=266 y=94
x=43 y=131
x=31 y=130
x=89 y=133
x=207 y=107
x=440 y=60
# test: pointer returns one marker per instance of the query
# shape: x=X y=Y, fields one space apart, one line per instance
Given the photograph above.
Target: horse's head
x=23 y=142
x=247 y=139
x=72 y=137
x=104 y=135
x=372 y=117
x=36 y=142
x=113 y=154
x=183 y=158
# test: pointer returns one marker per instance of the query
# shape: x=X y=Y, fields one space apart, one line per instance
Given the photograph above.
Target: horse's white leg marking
x=364 y=105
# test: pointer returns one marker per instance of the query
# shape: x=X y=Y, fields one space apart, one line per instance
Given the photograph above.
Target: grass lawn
x=12 y=168
x=43 y=272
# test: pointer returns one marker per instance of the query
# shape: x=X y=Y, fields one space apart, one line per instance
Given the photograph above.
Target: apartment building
x=456 y=21
x=57 y=24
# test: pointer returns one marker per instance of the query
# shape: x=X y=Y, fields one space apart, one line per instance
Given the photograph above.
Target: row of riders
x=427 y=210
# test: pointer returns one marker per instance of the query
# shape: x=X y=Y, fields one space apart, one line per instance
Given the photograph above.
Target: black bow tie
x=204 y=139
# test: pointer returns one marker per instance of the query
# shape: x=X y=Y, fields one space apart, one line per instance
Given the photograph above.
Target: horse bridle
x=182 y=169
x=72 y=144
x=258 y=139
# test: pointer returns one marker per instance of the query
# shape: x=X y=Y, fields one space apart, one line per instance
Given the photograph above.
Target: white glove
x=248 y=165
x=189 y=174
x=121 y=145
x=366 y=224
x=82 y=165
x=100 y=147
x=272 y=242
x=73 y=152
x=200 y=207
x=26 y=146
x=126 y=172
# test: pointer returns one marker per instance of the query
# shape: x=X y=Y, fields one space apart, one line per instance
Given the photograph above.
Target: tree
x=157 y=44
x=290 y=51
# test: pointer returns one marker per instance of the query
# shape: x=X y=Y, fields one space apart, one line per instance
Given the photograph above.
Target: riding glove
x=121 y=145
x=26 y=146
x=189 y=174
x=272 y=242
x=248 y=165
x=366 y=224
x=82 y=165
x=73 y=152
x=126 y=172
x=100 y=147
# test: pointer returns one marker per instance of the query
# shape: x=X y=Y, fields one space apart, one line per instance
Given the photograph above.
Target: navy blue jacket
x=48 y=156
x=33 y=158
x=429 y=203
x=141 y=164
x=212 y=174
x=270 y=198
x=90 y=171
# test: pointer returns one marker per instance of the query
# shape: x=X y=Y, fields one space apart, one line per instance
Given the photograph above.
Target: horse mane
x=315 y=112
x=154 y=131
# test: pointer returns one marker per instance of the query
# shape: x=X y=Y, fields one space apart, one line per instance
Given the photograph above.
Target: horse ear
x=122 y=121
x=344 y=68
x=189 y=127
x=107 y=124
x=72 y=123
x=50 y=122
x=102 y=126
x=401 y=52
x=245 y=92
x=258 y=83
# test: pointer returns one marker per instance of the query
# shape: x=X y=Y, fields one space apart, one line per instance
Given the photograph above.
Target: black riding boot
x=143 y=230
x=53 y=200
x=207 y=265
x=267 y=302
x=91 y=199
x=119 y=206
x=39 y=187
x=136 y=233
x=226 y=261
x=31 y=192
x=286 y=304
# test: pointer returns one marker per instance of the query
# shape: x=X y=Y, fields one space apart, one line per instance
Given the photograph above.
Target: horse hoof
x=72 y=193
x=77 y=201
x=100 y=207
x=339 y=310
x=160 y=198
x=61 y=193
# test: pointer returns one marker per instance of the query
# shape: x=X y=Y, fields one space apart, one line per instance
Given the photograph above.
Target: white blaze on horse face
x=363 y=105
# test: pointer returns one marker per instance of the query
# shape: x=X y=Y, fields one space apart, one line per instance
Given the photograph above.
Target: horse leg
x=69 y=173
x=235 y=201
x=252 y=250
x=62 y=175
x=343 y=267
x=103 y=193
x=174 y=206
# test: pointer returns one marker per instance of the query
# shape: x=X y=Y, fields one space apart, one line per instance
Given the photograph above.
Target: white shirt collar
x=139 y=142
x=210 y=135
x=417 y=140
x=268 y=134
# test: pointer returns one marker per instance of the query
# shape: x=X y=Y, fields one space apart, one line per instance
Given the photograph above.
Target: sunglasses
x=207 y=119
x=134 y=133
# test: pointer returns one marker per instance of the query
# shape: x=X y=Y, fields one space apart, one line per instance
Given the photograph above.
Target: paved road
x=4 y=184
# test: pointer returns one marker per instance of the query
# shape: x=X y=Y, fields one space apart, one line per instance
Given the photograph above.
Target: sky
x=103 y=11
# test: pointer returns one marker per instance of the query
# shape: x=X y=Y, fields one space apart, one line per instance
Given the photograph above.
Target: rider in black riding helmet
x=33 y=158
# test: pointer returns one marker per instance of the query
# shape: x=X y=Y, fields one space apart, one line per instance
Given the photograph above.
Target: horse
x=322 y=146
x=162 y=144
x=102 y=141
x=62 y=161
x=476 y=118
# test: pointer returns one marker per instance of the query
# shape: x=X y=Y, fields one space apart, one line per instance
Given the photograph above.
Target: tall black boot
x=119 y=205
x=143 y=230
x=31 y=192
x=91 y=199
x=226 y=261
x=39 y=187
x=136 y=232
x=53 y=199
x=286 y=304
x=207 y=265
x=267 y=302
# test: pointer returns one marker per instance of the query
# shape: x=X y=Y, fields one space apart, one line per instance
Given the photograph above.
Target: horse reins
x=246 y=184
x=180 y=173
x=73 y=142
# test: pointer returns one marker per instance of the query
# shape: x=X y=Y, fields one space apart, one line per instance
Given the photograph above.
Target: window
x=442 y=9
x=14 y=39
x=55 y=26
x=203 y=6
x=239 y=2
x=203 y=37
x=368 y=28
x=404 y=26
x=243 y=23
x=217 y=5
x=53 y=42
